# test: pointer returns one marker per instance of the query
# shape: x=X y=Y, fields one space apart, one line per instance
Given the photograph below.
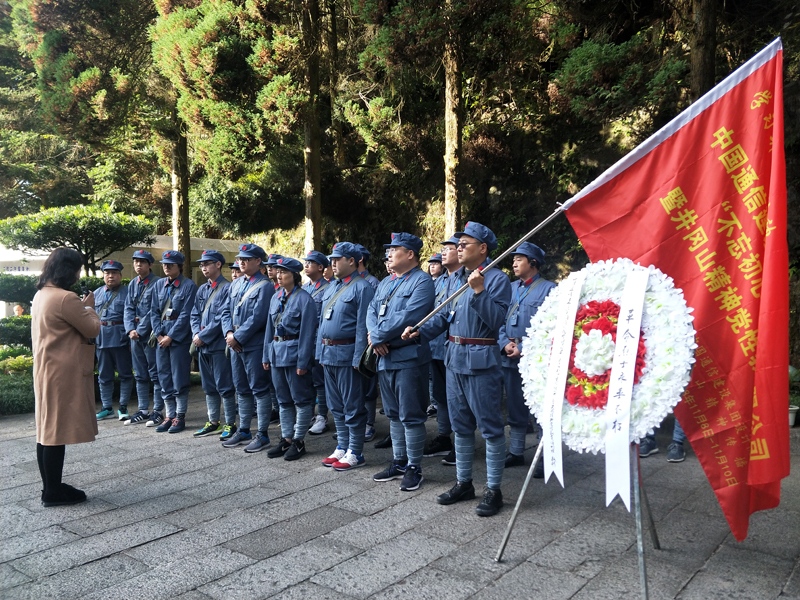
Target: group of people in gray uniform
x=272 y=349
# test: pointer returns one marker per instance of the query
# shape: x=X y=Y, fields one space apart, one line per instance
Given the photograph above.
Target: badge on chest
x=168 y=313
x=382 y=310
x=329 y=313
x=514 y=319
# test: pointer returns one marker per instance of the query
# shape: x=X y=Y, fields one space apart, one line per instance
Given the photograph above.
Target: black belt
x=105 y=323
x=463 y=341
x=329 y=342
x=285 y=338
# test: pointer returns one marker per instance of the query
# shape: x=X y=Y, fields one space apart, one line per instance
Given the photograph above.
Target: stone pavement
x=170 y=516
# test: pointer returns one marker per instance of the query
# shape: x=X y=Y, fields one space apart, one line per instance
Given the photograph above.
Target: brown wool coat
x=63 y=367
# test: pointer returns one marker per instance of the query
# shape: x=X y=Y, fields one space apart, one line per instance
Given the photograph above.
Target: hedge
x=18 y=289
x=16 y=330
x=16 y=394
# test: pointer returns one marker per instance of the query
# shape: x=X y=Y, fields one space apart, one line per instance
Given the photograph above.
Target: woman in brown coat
x=62 y=326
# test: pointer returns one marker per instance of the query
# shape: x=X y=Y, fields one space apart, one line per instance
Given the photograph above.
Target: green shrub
x=16 y=330
x=17 y=288
x=17 y=364
x=16 y=394
x=13 y=350
x=90 y=282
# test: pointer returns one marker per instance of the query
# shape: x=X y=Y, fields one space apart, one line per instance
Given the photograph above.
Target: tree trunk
x=311 y=189
x=703 y=47
x=333 y=55
x=453 y=125
x=180 y=201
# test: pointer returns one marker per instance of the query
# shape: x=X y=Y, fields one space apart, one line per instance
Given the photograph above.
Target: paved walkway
x=170 y=516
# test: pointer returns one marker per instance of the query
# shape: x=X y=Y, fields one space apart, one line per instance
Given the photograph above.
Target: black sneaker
x=412 y=479
x=462 y=490
x=450 y=459
x=441 y=445
x=138 y=417
x=296 y=450
x=385 y=442
x=515 y=460
x=431 y=411
x=491 y=504
x=280 y=448
x=396 y=470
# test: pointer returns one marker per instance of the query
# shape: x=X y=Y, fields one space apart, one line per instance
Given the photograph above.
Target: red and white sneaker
x=349 y=461
x=337 y=455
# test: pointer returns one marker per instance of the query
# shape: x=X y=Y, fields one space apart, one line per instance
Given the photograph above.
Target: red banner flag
x=704 y=200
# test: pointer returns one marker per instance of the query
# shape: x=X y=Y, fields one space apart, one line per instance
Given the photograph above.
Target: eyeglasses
x=248 y=259
x=462 y=245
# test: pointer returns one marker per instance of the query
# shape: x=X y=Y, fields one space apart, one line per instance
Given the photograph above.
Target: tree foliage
x=37 y=167
x=554 y=91
x=95 y=231
x=17 y=288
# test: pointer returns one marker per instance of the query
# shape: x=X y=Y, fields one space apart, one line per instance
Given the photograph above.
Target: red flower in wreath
x=592 y=391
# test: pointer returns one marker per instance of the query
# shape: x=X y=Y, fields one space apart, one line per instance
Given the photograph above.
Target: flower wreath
x=663 y=362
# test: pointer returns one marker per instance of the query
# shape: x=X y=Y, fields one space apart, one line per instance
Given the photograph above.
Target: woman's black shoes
x=67 y=495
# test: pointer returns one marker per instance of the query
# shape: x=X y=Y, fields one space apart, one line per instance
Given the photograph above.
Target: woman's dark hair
x=298 y=280
x=61 y=268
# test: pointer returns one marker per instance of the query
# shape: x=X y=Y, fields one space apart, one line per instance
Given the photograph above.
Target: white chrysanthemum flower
x=594 y=352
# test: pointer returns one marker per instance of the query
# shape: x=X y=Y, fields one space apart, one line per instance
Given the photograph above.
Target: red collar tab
x=213 y=284
x=527 y=282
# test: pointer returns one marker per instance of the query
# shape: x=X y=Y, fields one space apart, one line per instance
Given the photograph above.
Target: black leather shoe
x=491 y=504
x=275 y=416
x=385 y=442
x=462 y=490
x=538 y=471
x=515 y=460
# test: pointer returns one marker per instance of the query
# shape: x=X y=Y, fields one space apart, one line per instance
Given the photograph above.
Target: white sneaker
x=319 y=425
x=337 y=455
